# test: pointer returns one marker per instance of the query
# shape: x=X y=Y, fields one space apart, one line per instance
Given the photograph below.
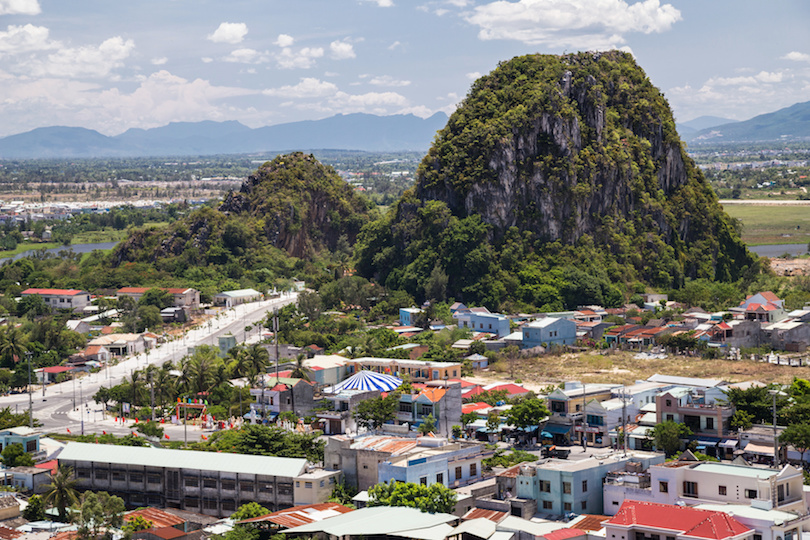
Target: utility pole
x=81 y=405
x=30 y=399
x=152 y=392
x=624 y=421
x=584 y=423
x=275 y=337
x=185 y=424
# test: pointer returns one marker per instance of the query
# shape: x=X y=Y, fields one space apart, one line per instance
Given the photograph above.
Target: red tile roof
x=510 y=388
x=167 y=533
x=472 y=407
x=51 y=465
x=690 y=521
x=301 y=515
x=57 y=369
x=9 y=534
x=591 y=522
x=60 y=292
x=492 y=515
x=562 y=534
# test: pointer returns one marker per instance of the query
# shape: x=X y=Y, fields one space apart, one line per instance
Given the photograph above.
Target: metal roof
x=184 y=459
x=376 y=520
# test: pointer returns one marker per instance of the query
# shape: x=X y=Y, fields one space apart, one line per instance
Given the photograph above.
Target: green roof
x=147 y=456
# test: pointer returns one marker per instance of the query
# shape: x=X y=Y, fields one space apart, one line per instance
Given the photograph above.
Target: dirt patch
x=790 y=267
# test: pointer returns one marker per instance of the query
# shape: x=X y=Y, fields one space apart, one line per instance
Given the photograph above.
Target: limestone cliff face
x=587 y=138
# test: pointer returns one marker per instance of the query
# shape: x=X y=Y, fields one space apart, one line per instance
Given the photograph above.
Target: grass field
x=772 y=224
x=623 y=367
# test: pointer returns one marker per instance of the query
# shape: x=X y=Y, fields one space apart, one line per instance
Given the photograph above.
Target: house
x=31 y=479
x=767 y=524
x=566 y=406
x=189 y=298
x=50 y=374
x=603 y=416
x=491 y=323
x=72 y=299
x=415 y=370
x=787 y=334
x=24 y=435
x=562 y=486
x=174 y=314
x=204 y=482
x=369 y=459
x=91 y=353
x=277 y=522
x=120 y=344
x=762 y=298
x=703 y=415
x=692 y=482
x=341 y=418
x=315 y=486
x=408 y=315
x=637 y=520
x=281 y=394
x=477 y=361
x=78 y=326
x=439 y=399
x=231 y=299
x=549 y=331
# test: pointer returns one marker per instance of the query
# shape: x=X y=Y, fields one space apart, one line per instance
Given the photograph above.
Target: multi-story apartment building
x=567 y=407
x=690 y=406
x=205 y=482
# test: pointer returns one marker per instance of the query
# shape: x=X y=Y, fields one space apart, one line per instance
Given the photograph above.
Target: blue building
x=453 y=465
x=406 y=315
x=494 y=323
x=24 y=435
x=549 y=331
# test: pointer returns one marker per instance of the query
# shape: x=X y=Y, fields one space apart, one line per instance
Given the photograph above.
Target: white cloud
x=342 y=50
x=284 y=40
x=87 y=61
x=578 y=24
x=382 y=3
x=206 y=59
x=309 y=87
x=473 y=75
x=159 y=61
x=21 y=39
x=301 y=59
x=394 y=45
x=227 y=32
x=797 y=56
x=20 y=7
x=387 y=80
x=371 y=102
x=247 y=56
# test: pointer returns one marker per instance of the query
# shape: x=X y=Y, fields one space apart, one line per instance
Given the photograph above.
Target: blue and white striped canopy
x=369 y=380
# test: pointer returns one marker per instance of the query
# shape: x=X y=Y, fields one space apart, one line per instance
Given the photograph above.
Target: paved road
x=64 y=404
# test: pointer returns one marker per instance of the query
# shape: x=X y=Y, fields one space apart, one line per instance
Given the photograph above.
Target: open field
x=772 y=224
x=623 y=367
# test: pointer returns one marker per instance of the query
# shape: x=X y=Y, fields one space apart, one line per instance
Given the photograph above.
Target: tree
x=667 y=436
x=428 y=424
x=741 y=420
x=159 y=298
x=373 y=413
x=343 y=494
x=14 y=455
x=150 y=429
x=61 y=492
x=35 y=511
x=300 y=371
x=493 y=422
x=468 y=418
x=529 y=412
x=433 y=498
x=799 y=436
x=13 y=344
x=309 y=304
x=249 y=510
x=137 y=523
x=98 y=513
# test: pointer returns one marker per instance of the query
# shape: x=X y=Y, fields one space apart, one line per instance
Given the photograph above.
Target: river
x=77 y=248
x=775 y=250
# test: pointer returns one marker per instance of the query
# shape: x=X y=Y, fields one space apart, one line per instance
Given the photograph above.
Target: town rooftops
x=54 y=292
x=378 y=521
x=158 y=517
x=689 y=521
x=184 y=459
x=301 y=515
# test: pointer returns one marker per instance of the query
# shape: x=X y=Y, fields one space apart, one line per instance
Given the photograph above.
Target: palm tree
x=61 y=492
x=300 y=371
x=201 y=370
x=12 y=345
x=257 y=358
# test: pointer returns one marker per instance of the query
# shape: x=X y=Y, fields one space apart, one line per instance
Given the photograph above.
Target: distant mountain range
x=788 y=124
x=341 y=132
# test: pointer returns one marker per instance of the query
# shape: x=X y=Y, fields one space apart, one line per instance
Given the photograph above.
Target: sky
x=114 y=65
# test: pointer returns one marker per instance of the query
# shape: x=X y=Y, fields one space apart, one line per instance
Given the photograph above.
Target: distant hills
x=788 y=124
x=359 y=131
x=692 y=127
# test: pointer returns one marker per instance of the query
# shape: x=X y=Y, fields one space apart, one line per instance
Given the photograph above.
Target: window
x=473 y=469
x=100 y=474
x=750 y=494
x=584 y=486
x=690 y=489
x=423 y=480
x=583 y=505
x=209 y=504
x=757 y=537
x=119 y=476
x=547 y=505
x=308 y=485
x=31 y=446
x=153 y=479
x=136 y=477
x=322 y=483
x=228 y=485
x=545 y=486
x=210 y=483
x=670 y=418
x=566 y=487
x=669 y=403
x=440 y=478
x=266 y=488
x=721 y=490
x=458 y=473
x=567 y=507
x=228 y=506
x=663 y=487
x=191 y=481
x=298 y=483
x=405 y=407
x=709 y=423
x=83 y=473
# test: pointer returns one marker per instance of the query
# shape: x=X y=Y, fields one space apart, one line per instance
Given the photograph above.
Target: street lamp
x=774 y=392
x=28 y=355
x=81 y=404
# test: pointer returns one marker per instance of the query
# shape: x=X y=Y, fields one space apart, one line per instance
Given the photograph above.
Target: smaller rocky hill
x=293 y=206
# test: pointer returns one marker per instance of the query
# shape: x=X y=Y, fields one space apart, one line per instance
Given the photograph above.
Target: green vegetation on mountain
x=559 y=181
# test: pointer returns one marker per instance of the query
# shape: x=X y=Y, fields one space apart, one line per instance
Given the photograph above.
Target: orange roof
x=158 y=517
x=59 y=292
x=9 y=534
x=591 y=522
x=167 y=533
x=562 y=534
x=51 y=465
x=433 y=394
x=511 y=472
x=65 y=535
x=769 y=296
x=492 y=515
x=472 y=407
x=690 y=521
x=300 y=515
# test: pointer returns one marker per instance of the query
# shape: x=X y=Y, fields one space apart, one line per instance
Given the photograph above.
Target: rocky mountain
x=557 y=174
x=358 y=131
x=292 y=206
